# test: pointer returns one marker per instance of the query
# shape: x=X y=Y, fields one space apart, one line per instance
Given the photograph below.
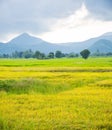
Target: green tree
x=27 y=54
x=51 y=55
x=85 y=53
x=42 y=56
x=39 y=55
x=58 y=54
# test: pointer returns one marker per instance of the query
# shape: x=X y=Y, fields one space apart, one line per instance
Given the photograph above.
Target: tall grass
x=30 y=85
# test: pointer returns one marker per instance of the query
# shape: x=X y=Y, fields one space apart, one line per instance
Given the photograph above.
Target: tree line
x=38 y=55
x=57 y=54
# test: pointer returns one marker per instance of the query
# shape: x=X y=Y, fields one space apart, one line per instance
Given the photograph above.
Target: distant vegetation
x=38 y=55
x=51 y=55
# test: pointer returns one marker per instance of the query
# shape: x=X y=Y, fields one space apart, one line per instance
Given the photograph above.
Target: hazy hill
x=102 y=46
x=25 y=41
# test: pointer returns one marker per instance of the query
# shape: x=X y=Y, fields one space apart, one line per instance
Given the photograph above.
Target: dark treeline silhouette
x=38 y=55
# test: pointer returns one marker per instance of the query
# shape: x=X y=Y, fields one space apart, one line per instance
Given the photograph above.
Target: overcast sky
x=55 y=20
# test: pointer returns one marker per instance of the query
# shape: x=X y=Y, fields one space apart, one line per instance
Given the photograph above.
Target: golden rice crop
x=58 y=98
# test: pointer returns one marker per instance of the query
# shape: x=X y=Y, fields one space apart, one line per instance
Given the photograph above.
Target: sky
x=56 y=21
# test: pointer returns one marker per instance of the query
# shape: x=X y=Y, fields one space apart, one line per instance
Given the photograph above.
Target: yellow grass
x=82 y=108
x=83 y=102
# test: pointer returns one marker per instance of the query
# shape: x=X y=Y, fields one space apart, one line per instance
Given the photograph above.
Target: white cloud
x=77 y=27
x=34 y=16
x=55 y=20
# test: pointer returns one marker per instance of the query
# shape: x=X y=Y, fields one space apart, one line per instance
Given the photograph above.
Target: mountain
x=102 y=46
x=107 y=36
x=25 y=41
x=79 y=46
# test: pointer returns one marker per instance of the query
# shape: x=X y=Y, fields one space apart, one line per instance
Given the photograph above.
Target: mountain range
x=23 y=42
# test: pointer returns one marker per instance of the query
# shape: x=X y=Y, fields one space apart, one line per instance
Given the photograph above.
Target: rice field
x=58 y=94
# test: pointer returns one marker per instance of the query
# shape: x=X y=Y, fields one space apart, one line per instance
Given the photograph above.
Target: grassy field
x=78 y=62
x=58 y=94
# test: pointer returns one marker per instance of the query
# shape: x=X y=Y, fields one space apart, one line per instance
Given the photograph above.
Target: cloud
x=40 y=16
x=77 y=27
x=74 y=20
x=100 y=9
x=33 y=15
